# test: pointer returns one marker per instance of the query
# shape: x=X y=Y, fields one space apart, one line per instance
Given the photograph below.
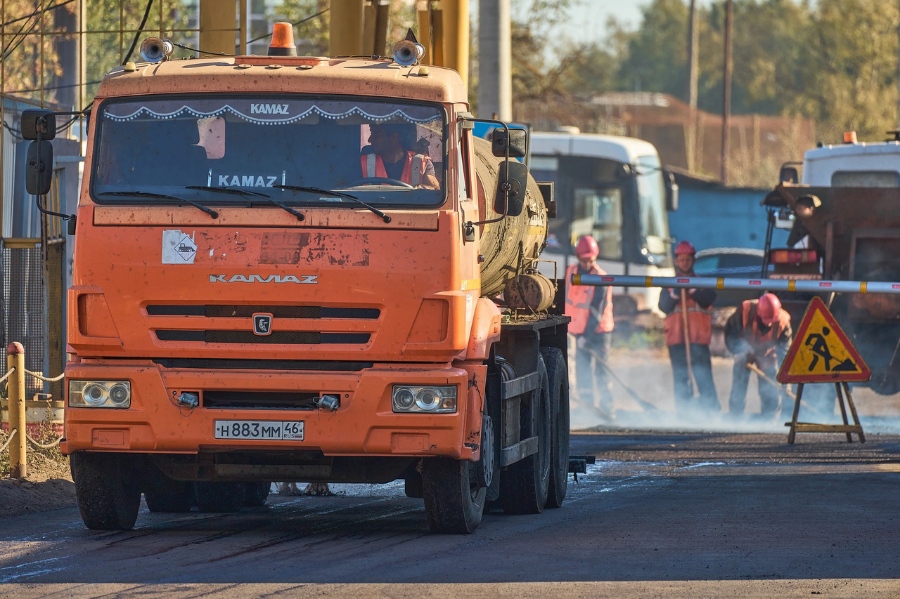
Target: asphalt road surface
x=659 y=514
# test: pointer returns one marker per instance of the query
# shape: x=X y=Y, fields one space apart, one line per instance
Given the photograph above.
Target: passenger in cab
x=758 y=333
x=391 y=157
x=688 y=333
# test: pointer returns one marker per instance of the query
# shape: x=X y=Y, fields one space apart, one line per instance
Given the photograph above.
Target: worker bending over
x=758 y=333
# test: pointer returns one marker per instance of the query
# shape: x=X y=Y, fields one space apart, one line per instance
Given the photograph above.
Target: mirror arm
x=40 y=207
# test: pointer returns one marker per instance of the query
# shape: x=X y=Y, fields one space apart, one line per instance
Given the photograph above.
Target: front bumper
x=363 y=425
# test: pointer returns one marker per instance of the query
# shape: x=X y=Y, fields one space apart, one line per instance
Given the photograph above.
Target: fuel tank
x=511 y=245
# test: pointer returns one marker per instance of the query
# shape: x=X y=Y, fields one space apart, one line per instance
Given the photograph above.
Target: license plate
x=264 y=430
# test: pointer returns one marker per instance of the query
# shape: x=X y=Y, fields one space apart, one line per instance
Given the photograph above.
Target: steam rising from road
x=644 y=400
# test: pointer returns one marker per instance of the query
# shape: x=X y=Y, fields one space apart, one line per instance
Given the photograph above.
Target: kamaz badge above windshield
x=227 y=150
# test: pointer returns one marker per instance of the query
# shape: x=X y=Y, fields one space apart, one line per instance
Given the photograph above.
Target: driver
x=390 y=159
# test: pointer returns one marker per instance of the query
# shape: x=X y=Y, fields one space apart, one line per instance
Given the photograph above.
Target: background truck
x=854 y=235
x=251 y=304
x=615 y=189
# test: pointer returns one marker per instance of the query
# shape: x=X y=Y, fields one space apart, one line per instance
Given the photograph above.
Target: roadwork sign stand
x=822 y=353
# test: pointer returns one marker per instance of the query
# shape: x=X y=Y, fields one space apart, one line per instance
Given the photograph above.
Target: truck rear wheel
x=524 y=485
x=558 y=380
x=454 y=501
x=170 y=496
x=107 y=490
x=220 y=497
x=256 y=493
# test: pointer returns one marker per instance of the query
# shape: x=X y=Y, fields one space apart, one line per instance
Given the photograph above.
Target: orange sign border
x=784 y=376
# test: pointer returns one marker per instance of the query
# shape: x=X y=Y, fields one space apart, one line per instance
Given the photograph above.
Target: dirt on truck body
x=260 y=293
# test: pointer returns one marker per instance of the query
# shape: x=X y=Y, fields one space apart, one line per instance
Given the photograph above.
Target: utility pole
x=726 y=88
x=494 y=59
x=693 y=76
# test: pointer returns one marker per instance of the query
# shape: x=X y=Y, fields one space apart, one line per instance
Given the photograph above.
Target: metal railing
x=18 y=439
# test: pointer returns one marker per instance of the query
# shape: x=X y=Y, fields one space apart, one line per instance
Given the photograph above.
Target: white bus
x=615 y=189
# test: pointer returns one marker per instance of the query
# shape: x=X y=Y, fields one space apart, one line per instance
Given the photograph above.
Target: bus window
x=598 y=212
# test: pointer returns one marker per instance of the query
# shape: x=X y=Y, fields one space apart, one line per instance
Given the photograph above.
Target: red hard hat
x=769 y=308
x=587 y=247
x=685 y=247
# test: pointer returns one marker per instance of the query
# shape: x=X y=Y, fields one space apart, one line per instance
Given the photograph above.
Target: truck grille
x=240 y=311
x=278 y=337
x=260 y=400
x=194 y=331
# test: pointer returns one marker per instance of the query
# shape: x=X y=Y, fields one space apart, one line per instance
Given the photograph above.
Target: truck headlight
x=100 y=394
x=420 y=398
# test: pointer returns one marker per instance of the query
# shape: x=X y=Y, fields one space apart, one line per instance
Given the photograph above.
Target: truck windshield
x=384 y=153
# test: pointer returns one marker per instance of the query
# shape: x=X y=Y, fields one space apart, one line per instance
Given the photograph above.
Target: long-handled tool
x=754 y=368
x=692 y=382
x=646 y=405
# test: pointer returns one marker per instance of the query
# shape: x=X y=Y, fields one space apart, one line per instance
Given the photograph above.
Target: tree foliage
x=834 y=62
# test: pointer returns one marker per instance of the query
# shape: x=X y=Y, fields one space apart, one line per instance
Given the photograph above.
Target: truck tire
x=454 y=502
x=558 y=379
x=107 y=490
x=169 y=496
x=256 y=493
x=220 y=497
x=524 y=485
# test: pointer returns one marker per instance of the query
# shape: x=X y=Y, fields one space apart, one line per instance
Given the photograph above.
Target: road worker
x=688 y=333
x=758 y=333
x=590 y=332
x=388 y=157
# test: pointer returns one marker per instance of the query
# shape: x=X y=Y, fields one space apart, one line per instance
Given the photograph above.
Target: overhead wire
x=140 y=30
x=300 y=22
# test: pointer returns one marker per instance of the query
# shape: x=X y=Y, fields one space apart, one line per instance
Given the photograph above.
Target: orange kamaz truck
x=261 y=292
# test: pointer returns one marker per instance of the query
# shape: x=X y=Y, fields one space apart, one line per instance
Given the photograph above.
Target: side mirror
x=517 y=142
x=39 y=168
x=671 y=191
x=36 y=122
x=517 y=184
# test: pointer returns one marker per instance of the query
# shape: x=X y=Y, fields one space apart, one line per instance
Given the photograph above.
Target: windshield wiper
x=244 y=192
x=163 y=196
x=337 y=194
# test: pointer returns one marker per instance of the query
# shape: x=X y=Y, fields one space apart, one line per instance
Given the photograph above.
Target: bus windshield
x=651 y=191
x=384 y=153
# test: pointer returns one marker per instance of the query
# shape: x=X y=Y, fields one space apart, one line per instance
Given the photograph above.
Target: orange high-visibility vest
x=759 y=341
x=699 y=323
x=578 y=304
x=413 y=167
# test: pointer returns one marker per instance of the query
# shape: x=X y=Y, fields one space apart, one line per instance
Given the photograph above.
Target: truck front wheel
x=454 y=501
x=107 y=490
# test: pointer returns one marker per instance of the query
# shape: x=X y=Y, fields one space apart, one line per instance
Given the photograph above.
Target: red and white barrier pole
x=800 y=285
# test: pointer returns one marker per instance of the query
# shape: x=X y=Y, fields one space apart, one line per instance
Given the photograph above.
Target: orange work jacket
x=578 y=304
x=762 y=343
x=699 y=323
x=413 y=167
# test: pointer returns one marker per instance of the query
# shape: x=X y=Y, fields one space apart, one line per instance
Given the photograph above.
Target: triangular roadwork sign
x=821 y=352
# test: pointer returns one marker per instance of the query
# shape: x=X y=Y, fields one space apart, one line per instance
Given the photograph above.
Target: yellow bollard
x=15 y=358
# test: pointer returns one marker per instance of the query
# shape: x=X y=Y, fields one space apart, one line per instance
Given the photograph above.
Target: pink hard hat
x=587 y=247
x=769 y=308
x=685 y=247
